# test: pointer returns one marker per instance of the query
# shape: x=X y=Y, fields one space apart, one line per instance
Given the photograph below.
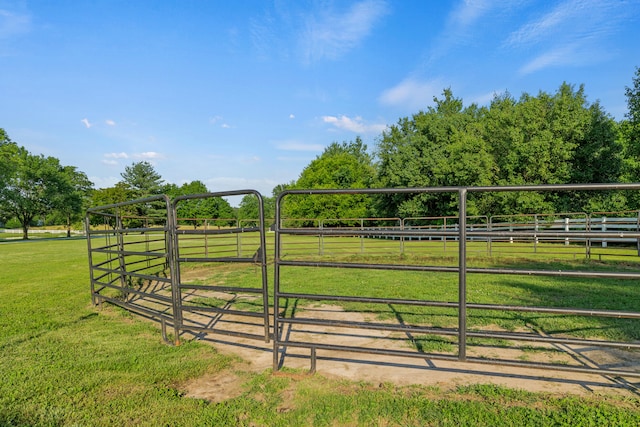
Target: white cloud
x=148 y=155
x=121 y=155
x=469 y=11
x=563 y=18
x=330 y=34
x=110 y=162
x=355 y=124
x=219 y=121
x=13 y=24
x=86 y=123
x=412 y=94
x=572 y=33
x=250 y=160
x=555 y=57
x=291 y=116
x=110 y=122
x=298 y=146
x=484 y=98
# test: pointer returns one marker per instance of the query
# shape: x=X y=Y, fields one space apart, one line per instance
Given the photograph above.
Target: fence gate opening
x=193 y=274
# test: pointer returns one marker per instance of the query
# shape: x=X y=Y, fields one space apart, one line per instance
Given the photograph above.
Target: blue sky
x=244 y=94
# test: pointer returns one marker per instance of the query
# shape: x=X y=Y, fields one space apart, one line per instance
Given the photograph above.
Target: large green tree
x=340 y=166
x=195 y=211
x=32 y=187
x=142 y=179
x=543 y=139
x=75 y=198
x=442 y=146
x=630 y=131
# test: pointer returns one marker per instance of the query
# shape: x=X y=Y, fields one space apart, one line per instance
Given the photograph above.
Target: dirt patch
x=400 y=370
x=216 y=387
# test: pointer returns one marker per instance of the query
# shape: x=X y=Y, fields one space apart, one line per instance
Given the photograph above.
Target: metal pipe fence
x=418 y=283
x=142 y=257
x=298 y=329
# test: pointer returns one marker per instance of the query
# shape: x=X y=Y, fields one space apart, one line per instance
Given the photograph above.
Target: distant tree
x=442 y=146
x=32 y=186
x=109 y=196
x=341 y=166
x=249 y=208
x=74 y=198
x=142 y=179
x=9 y=152
x=630 y=131
x=195 y=211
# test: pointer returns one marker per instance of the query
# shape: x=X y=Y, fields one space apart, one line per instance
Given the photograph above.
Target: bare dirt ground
x=257 y=356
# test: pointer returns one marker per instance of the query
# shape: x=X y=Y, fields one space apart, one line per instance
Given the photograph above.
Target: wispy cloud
x=572 y=33
x=412 y=94
x=148 y=155
x=321 y=31
x=468 y=12
x=110 y=122
x=219 y=121
x=13 y=24
x=484 y=98
x=121 y=155
x=114 y=159
x=298 y=146
x=330 y=34
x=461 y=24
x=356 y=124
x=86 y=123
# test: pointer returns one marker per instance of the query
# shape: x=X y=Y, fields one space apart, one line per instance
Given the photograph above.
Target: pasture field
x=64 y=362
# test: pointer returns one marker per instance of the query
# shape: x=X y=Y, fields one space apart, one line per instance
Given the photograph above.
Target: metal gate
x=221 y=247
x=314 y=315
x=143 y=255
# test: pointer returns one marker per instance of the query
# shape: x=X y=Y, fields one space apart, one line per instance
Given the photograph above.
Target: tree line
x=549 y=138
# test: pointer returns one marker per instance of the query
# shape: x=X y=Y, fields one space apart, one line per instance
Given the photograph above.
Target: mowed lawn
x=64 y=362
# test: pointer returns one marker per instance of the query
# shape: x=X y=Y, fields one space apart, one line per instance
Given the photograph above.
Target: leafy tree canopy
x=340 y=166
x=35 y=185
x=142 y=179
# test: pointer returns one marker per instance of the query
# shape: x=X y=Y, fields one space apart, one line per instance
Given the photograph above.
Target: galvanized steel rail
x=282 y=321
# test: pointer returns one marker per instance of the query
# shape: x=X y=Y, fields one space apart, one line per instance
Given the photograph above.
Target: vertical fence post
x=535 y=234
x=462 y=276
x=638 y=230
x=320 y=238
x=238 y=240
x=361 y=236
x=588 y=242
x=604 y=228
x=276 y=285
x=444 y=238
x=206 y=238
x=90 y=258
x=173 y=252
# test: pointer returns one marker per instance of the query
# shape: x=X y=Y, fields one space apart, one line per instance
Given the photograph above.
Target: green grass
x=64 y=362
